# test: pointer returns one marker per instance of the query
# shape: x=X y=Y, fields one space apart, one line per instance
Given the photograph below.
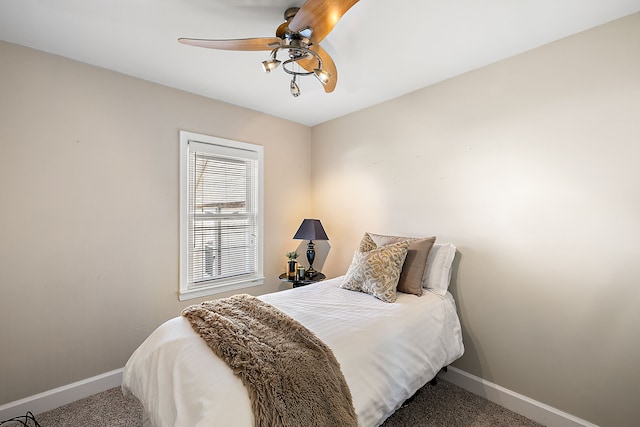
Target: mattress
x=386 y=353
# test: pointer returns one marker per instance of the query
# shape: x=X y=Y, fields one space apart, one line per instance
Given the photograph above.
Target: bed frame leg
x=409 y=400
x=434 y=381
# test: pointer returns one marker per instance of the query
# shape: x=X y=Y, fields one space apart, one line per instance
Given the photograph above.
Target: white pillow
x=438 y=273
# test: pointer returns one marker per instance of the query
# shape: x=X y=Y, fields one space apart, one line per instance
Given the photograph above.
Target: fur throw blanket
x=292 y=377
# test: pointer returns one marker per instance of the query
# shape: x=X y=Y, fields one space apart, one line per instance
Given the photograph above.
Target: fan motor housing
x=290 y=13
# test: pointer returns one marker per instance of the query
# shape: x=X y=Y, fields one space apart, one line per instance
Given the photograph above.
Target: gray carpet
x=441 y=405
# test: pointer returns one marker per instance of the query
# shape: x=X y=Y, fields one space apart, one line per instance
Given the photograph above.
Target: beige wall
x=89 y=211
x=530 y=166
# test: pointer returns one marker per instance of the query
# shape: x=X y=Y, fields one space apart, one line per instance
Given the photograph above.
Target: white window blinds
x=223 y=215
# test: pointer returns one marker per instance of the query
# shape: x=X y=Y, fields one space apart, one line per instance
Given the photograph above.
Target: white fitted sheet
x=386 y=353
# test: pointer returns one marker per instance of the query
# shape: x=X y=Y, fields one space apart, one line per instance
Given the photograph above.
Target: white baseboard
x=532 y=409
x=518 y=403
x=52 y=399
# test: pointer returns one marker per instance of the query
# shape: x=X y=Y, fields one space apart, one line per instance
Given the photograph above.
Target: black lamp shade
x=311 y=229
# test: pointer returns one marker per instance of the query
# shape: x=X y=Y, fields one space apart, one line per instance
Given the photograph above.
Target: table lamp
x=311 y=229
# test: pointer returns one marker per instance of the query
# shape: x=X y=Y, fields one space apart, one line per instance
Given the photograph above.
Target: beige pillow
x=376 y=271
x=415 y=263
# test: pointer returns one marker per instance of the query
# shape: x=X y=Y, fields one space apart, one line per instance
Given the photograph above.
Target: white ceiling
x=382 y=49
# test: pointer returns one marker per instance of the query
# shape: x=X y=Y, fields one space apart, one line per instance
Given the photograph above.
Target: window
x=220 y=215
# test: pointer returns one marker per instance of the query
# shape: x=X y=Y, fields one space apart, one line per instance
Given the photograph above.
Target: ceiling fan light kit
x=298 y=50
x=322 y=75
x=295 y=90
x=270 y=65
x=300 y=37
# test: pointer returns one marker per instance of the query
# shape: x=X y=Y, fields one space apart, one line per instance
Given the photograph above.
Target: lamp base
x=311 y=256
x=311 y=273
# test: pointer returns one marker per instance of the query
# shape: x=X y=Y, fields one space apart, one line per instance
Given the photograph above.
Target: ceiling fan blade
x=265 y=43
x=321 y=16
x=328 y=65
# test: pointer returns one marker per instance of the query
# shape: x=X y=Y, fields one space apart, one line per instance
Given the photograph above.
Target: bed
x=386 y=351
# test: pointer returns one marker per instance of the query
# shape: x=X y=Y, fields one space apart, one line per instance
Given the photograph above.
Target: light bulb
x=270 y=65
x=322 y=76
x=295 y=90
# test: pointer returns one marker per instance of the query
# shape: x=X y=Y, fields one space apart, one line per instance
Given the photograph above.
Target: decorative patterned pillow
x=367 y=243
x=415 y=263
x=376 y=270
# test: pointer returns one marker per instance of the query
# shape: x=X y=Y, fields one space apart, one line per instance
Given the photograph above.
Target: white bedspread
x=386 y=352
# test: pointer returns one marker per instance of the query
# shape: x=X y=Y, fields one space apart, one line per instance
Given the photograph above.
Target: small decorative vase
x=292 y=269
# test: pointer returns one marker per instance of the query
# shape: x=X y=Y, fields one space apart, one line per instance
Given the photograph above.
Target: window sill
x=219 y=288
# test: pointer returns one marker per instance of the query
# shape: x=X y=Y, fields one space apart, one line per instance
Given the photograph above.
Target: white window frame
x=188 y=142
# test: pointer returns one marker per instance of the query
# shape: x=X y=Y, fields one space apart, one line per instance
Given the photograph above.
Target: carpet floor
x=443 y=404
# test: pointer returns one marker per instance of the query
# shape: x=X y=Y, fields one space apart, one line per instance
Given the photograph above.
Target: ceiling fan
x=300 y=36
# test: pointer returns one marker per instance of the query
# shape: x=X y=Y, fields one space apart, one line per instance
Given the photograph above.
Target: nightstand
x=306 y=281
